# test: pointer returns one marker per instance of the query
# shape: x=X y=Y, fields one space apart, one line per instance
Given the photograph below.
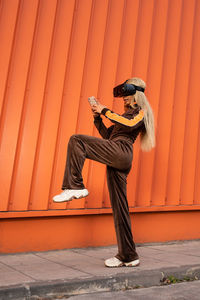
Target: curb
x=120 y=281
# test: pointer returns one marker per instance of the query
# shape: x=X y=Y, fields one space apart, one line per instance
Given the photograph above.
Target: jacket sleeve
x=135 y=121
x=103 y=130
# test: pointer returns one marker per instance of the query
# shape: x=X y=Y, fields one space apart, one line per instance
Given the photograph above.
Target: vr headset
x=126 y=89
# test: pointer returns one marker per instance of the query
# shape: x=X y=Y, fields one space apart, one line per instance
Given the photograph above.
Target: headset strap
x=139 y=88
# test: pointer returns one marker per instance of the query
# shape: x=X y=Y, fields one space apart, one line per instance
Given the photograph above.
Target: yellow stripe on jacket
x=124 y=121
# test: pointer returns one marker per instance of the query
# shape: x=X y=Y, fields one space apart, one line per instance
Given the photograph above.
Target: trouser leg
x=118 y=158
x=74 y=165
x=118 y=196
x=81 y=147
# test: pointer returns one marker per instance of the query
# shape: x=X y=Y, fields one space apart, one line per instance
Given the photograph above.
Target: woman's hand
x=97 y=108
x=95 y=114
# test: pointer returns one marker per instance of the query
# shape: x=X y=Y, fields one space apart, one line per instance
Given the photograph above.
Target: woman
x=116 y=151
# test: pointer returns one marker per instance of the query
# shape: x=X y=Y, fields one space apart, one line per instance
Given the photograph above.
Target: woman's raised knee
x=75 y=138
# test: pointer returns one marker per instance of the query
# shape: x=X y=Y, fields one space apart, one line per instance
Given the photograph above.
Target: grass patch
x=172 y=279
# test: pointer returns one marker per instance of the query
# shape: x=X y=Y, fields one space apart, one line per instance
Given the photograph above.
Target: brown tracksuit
x=115 y=151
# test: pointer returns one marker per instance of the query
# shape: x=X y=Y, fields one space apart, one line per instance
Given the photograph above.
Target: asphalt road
x=178 y=291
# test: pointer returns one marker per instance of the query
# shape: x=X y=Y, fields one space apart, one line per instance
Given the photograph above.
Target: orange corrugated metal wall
x=56 y=53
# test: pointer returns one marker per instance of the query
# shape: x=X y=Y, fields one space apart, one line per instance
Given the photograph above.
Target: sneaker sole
x=81 y=196
x=70 y=199
x=129 y=265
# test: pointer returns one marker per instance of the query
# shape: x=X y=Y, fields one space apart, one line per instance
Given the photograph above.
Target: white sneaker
x=68 y=195
x=114 y=262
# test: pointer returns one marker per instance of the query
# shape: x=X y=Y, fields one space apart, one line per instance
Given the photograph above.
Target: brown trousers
x=117 y=155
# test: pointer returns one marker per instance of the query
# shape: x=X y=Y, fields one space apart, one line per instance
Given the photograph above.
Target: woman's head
x=138 y=82
x=148 y=137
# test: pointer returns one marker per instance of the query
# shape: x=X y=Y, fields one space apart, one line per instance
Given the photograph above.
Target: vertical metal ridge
x=124 y=67
x=90 y=87
x=191 y=131
x=1 y=5
x=124 y=14
x=103 y=84
x=197 y=157
x=18 y=26
x=136 y=146
x=140 y=69
x=85 y=200
x=57 y=31
x=55 y=159
x=163 y=129
x=98 y=90
x=2 y=112
x=105 y=194
x=41 y=118
x=197 y=168
x=4 y=98
x=154 y=79
x=137 y=152
x=105 y=201
x=82 y=203
x=2 y=10
x=185 y=144
x=180 y=101
x=68 y=112
x=82 y=60
x=85 y=59
x=158 y=200
x=23 y=203
x=168 y=200
x=21 y=124
x=51 y=50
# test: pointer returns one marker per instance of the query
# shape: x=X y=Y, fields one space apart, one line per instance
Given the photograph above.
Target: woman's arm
x=135 y=121
x=103 y=130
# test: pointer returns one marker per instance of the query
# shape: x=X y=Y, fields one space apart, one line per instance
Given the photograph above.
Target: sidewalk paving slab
x=77 y=271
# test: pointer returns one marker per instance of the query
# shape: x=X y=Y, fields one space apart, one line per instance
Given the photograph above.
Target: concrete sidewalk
x=76 y=271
